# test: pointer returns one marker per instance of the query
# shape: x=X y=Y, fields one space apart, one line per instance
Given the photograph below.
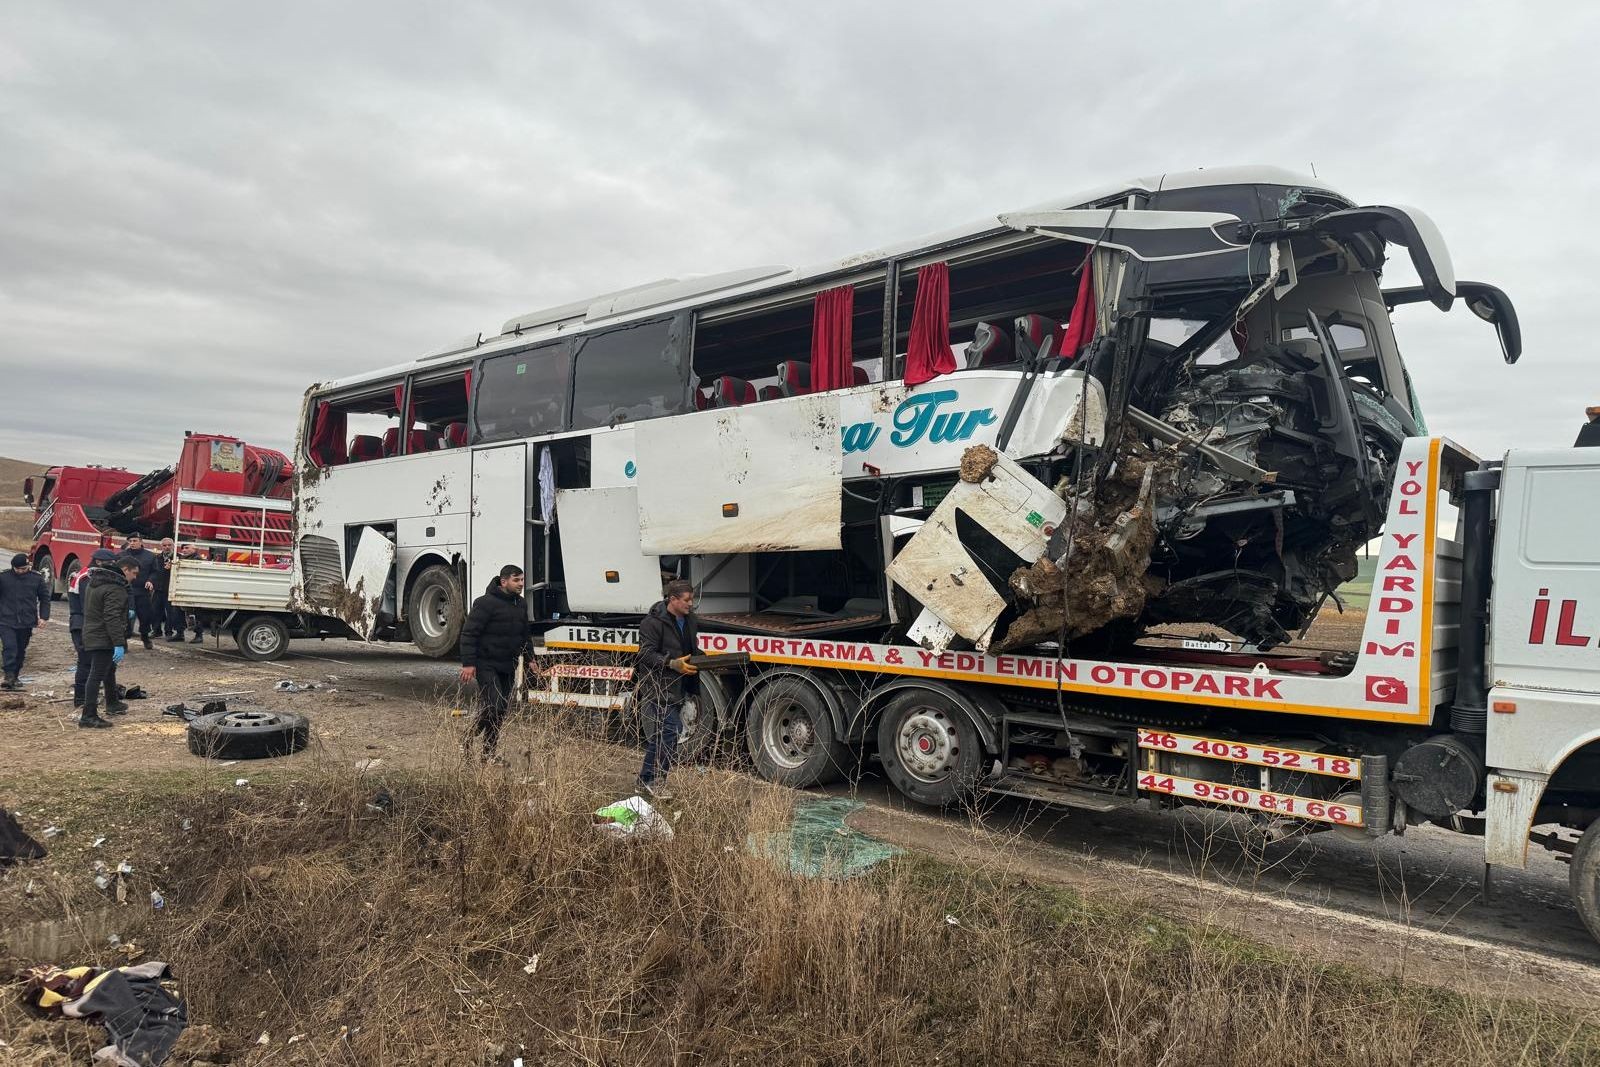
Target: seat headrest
x=990 y=347
x=859 y=376
x=730 y=392
x=794 y=377
x=423 y=441
x=455 y=435
x=769 y=392
x=391 y=441
x=1031 y=333
x=365 y=446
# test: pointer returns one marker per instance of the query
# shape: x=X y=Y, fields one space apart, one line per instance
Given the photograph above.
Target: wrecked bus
x=950 y=496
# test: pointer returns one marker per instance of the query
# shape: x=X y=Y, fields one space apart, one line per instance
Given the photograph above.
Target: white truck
x=959 y=537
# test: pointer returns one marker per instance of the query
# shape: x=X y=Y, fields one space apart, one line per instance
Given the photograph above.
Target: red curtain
x=831 y=323
x=928 y=353
x=327 y=437
x=1080 y=328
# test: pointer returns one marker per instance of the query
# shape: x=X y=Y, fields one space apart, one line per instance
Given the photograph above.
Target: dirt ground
x=1406 y=905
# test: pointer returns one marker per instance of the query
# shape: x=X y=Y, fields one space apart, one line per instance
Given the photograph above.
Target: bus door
x=499 y=514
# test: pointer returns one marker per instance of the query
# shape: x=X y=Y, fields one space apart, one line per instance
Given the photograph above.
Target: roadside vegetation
x=466 y=916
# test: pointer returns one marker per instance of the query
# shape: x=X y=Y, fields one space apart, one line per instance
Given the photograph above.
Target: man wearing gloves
x=105 y=635
x=492 y=638
x=664 y=679
x=24 y=607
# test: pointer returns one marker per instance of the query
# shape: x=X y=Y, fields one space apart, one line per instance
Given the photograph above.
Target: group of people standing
x=107 y=599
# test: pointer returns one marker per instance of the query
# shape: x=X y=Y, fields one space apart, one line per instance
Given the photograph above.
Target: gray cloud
x=208 y=207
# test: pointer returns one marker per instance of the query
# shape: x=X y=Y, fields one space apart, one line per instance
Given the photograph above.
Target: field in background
x=16 y=527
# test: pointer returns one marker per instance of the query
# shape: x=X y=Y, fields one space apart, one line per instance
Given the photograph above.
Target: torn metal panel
x=771 y=479
x=356 y=599
x=996 y=518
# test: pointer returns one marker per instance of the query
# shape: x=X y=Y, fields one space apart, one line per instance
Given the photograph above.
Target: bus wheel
x=930 y=750
x=436 y=609
x=1585 y=876
x=791 y=737
x=262 y=638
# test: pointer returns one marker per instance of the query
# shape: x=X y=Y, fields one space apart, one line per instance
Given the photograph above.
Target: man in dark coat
x=664 y=679
x=492 y=639
x=161 y=608
x=75 y=593
x=144 y=584
x=105 y=635
x=24 y=607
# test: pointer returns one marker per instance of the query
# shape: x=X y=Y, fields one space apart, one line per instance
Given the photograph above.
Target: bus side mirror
x=1494 y=307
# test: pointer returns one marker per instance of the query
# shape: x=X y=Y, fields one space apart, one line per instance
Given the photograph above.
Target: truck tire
x=698 y=738
x=43 y=567
x=436 y=609
x=262 y=638
x=1585 y=875
x=791 y=738
x=248 y=734
x=69 y=571
x=929 y=748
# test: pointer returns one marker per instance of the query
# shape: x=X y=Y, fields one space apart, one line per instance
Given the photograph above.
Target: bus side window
x=521 y=394
x=355 y=429
x=439 y=412
x=630 y=373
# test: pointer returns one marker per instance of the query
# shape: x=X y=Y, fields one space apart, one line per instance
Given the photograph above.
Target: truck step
x=1029 y=787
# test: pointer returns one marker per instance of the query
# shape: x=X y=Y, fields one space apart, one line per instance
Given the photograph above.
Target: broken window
x=522 y=393
x=439 y=412
x=356 y=429
x=630 y=373
x=769 y=348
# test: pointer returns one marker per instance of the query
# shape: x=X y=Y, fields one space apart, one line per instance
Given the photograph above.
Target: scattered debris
x=368 y=763
x=97 y=842
x=142 y=1018
x=52 y=831
x=977 y=462
x=381 y=801
x=532 y=964
x=15 y=844
x=289 y=685
x=633 y=817
x=241 y=782
x=157 y=901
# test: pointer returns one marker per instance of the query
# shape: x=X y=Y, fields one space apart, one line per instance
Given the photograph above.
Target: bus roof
x=671 y=294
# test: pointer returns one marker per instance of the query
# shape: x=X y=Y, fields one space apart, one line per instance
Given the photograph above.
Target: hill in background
x=16 y=527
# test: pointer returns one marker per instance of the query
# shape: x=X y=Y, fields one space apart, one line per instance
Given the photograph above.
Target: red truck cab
x=68 y=517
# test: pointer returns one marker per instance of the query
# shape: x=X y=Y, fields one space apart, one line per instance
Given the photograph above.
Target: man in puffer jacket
x=664 y=679
x=75 y=591
x=105 y=635
x=494 y=636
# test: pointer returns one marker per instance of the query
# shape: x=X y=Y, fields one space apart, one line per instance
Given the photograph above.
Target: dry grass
x=404 y=936
x=16 y=531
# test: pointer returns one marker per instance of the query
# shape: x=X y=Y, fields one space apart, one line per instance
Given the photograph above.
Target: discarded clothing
x=142 y=1017
x=15 y=844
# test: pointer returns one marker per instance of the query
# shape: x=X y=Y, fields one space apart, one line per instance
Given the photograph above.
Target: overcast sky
x=205 y=207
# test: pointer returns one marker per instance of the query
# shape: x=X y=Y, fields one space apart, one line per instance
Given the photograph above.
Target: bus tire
x=790 y=735
x=1585 y=875
x=436 y=609
x=262 y=638
x=929 y=748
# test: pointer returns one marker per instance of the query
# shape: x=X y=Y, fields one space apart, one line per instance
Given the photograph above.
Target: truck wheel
x=248 y=734
x=698 y=737
x=436 y=609
x=791 y=737
x=43 y=568
x=930 y=750
x=69 y=571
x=262 y=638
x=1585 y=876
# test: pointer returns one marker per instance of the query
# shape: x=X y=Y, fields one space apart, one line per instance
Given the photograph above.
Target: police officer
x=24 y=608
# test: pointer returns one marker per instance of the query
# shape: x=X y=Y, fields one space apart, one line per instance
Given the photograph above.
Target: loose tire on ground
x=1585 y=875
x=791 y=737
x=248 y=734
x=436 y=609
x=930 y=749
x=262 y=638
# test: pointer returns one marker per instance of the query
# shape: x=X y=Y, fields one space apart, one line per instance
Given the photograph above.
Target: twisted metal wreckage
x=1254 y=406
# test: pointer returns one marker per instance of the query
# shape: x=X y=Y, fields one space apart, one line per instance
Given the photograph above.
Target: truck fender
x=984 y=709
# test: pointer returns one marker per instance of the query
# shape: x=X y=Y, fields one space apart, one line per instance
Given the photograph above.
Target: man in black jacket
x=493 y=637
x=144 y=584
x=664 y=679
x=24 y=607
x=77 y=588
x=105 y=634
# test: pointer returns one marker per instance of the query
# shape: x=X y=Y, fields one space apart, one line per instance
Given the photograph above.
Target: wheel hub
x=789 y=736
x=262 y=639
x=250 y=720
x=927 y=744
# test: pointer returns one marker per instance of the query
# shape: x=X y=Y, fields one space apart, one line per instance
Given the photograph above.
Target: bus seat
x=794 y=377
x=365 y=446
x=990 y=347
x=423 y=441
x=730 y=392
x=859 y=376
x=769 y=392
x=702 y=399
x=391 y=441
x=455 y=435
x=1031 y=333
